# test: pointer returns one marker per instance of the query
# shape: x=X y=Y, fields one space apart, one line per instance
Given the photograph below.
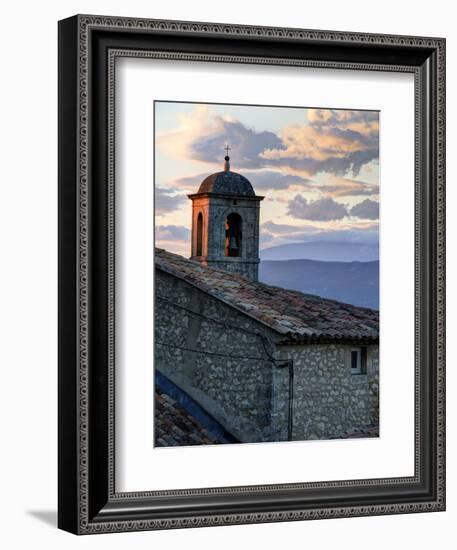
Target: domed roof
x=227 y=183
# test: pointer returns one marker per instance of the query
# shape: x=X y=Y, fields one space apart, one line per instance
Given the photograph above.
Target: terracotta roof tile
x=295 y=315
x=175 y=426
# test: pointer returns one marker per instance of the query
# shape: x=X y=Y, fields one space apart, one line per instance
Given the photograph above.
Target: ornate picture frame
x=88 y=48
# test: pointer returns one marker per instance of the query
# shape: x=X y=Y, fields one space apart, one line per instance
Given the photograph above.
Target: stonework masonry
x=235 y=368
x=225 y=223
x=266 y=363
x=232 y=376
x=327 y=399
x=215 y=210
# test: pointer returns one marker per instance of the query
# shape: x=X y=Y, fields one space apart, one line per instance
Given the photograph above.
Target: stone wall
x=328 y=399
x=233 y=377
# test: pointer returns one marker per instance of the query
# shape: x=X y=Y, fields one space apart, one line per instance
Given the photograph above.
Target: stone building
x=240 y=361
x=225 y=223
x=268 y=364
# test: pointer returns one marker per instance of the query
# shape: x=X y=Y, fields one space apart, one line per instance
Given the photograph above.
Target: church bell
x=233 y=244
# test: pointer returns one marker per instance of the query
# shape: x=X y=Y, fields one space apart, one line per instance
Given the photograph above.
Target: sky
x=317 y=168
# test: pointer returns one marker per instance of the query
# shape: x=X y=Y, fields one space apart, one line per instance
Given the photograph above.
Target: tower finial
x=227 y=158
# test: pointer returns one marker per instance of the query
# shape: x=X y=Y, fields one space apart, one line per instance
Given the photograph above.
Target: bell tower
x=225 y=223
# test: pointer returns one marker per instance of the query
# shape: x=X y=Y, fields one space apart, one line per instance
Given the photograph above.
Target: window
x=233 y=235
x=358 y=360
x=199 y=234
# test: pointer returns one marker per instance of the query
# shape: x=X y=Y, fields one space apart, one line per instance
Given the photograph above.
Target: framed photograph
x=251 y=274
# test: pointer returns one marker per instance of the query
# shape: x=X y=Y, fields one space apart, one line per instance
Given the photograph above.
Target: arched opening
x=199 y=234
x=233 y=235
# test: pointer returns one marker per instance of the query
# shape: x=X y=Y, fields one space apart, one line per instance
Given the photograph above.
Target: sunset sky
x=317 y=168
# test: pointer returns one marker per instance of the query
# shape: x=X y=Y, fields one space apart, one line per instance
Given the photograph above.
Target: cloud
x=266 y=239
x=284 y=228
x=363 y=121
x=325 y=209
x=272 y=234
x=343 y=187
x=271 y=180
x=202 y=134
x=246 y=144
x=267 y=180
x=332 y=141
x=167 y=200
x=262 y=180
x=174 y=238
x=189 y=183
x=365 y=233
x=172 y=232
x=367 y=210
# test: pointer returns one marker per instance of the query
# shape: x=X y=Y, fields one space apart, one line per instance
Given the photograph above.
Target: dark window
x=358 y=359
x=233 y=235
x=355 y=359
x=199 y=234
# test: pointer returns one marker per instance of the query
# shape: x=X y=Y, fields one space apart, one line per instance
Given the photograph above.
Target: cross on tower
x=227 y=149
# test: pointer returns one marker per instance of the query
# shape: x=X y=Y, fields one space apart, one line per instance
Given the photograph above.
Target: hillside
x=352 y=282
x=323 y=251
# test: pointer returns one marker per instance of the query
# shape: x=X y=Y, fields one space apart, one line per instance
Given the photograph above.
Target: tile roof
x=298 y=317
x=180 y=420
x=174 y=426
x=227 y=183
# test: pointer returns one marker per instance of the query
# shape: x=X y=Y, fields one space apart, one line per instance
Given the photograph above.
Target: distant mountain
x=323 y=251
x=355 y=283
